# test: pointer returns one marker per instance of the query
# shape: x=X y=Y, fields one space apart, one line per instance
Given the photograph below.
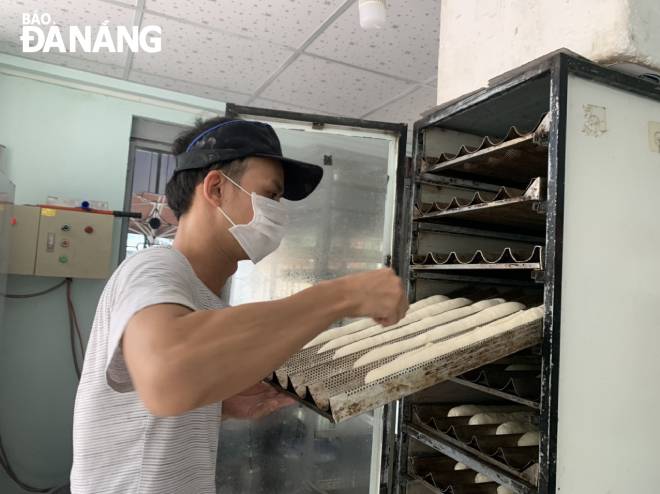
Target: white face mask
x=263 y=234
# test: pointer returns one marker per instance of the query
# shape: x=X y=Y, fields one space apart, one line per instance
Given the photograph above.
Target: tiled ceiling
x=288 y=54
x=332 y=87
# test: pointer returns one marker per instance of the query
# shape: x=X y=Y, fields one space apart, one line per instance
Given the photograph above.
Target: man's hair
x=180 y=189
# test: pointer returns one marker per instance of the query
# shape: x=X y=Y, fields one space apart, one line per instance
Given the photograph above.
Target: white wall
x=480 y=39
x=67 y=133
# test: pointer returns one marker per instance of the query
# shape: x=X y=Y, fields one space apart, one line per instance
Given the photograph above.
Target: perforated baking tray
x=337 y=390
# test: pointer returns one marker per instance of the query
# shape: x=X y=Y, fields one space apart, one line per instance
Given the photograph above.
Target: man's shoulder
x=154 y=255
x=152 y=261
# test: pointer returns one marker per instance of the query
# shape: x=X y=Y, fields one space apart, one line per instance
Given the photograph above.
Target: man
x=165 y=351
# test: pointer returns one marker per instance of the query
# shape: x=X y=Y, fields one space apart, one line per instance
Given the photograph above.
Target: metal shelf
x=516 y=280
x=496 y=392
x=470 y=457
x=516 y=159
x=506 y=209
x=427 y=481
x=508 y=259
x=490 y=266
x=478 y=231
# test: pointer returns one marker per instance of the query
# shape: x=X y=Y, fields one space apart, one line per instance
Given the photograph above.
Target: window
x=152 y=170
x=149 y=169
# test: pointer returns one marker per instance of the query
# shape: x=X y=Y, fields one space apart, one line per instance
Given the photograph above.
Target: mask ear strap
x=237 y=185
x=225 y=215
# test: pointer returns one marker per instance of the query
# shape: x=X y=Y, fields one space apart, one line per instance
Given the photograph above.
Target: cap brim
x=300 y=178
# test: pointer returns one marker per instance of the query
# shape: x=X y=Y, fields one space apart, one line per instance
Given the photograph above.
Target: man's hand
x=377 y=294
x=255 y=402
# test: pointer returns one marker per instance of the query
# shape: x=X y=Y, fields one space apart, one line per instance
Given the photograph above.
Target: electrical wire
x=35 y=294
x=4 y=461
x=74 y=329
x=74 y=334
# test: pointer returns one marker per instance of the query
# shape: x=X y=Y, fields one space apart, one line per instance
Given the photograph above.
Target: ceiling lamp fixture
x=373 y=14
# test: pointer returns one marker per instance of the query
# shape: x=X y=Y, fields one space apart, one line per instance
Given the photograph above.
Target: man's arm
x=180 y=359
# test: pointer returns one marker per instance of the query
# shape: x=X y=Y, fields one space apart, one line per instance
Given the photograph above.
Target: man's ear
x=212 y=187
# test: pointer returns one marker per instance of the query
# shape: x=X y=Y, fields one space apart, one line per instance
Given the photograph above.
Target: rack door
x=346 y=225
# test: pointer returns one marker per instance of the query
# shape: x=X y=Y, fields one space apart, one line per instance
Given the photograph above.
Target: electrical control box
x=23 y=232
x=62 y=243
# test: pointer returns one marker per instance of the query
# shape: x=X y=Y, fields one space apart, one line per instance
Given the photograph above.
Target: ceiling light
x=373 y=14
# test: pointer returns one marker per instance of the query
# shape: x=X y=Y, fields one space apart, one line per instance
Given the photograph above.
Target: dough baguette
x=499 y=417
x=420 y=304
x=410 y=319
x=460 y=466
x=480 y=478
x=530 y=439
x=481 y=318
x=367 y=322
x=521 y=367
x=531 y=473
x=454 y=309
x=515 y=428
x=329 y=334
x=433 y=351
x=470 y=410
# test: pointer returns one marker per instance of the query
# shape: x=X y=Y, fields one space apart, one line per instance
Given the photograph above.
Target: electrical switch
x=64 y=259
x=12 y=221
x=89 y=229
x=50 y=242
x=66 y=228
x=64 y=243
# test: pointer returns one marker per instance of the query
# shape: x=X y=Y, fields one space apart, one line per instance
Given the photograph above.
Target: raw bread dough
x=521 y=367
x=329 y=334
x=470 y=410
x=515 y=428
x=445 y=321
x=420 y=304
x=532 y=474
x=443 y=332
x=480 y=478
x=499 y=418
x=418 y=316
x=460 y=466
x=453 y=309
x=530 y=439
x=504 y=490
x=367 y=322
x=486 y=327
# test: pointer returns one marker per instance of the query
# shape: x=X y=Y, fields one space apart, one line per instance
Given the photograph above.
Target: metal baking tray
x=506 y=259
x=516 y=158
x=336 y=390
x=500 y=472
x=507 y=207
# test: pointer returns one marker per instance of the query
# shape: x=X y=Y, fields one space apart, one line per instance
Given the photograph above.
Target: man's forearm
x=207 y=356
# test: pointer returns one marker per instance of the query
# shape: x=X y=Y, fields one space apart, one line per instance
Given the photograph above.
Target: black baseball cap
x=236 y=139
